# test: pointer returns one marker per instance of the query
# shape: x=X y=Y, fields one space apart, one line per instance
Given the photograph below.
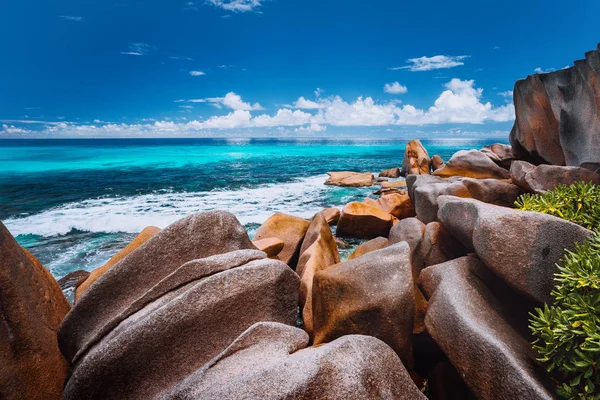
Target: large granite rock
x=520 y=247
x=70 y=282
x=546 y=177
x=270 y=246
x=390 y=173
x=472 y=164
x=364 y=221
x=416 y=159
x=370 y=295
x=409 y=230
x=139 y=240
x=470 y=325
x=367 y=247
x=31 y=308
x=436 y=162
x=181 y=323
x=558 y=116
x=399 y=205
x=426 y=191
x=332 y=215
x=272 y=362
x=102 y=306
x=350 y=178
x=499 y=153
x=319 y=251
x=288 y=228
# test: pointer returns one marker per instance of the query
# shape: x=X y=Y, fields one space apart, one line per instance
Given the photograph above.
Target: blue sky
x=162 y=68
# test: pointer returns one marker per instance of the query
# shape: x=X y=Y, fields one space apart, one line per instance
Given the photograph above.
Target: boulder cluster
x=434 y=302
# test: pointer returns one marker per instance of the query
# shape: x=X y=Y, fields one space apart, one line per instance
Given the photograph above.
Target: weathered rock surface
x=394 y=185
x=350 y=178
x=31 y=308
x=390 y=173
x=332 y=215
x=270 y=246
x=409 y=230
x=520 y=247
x=319 y=251
x=272 y=361
x=426 y=190
x=288 y=228
x=472 y=164
x=181 y=323
x=470 y=326
x=370 y=295
x=546 y=177
x=416 y=159
x=499 y=153
x=558 y=115
x=436 y=162
x=70 y=282
x=101 y=306
x=367 y=247
x=399 y=205
x=364 y=221
x=139 y=240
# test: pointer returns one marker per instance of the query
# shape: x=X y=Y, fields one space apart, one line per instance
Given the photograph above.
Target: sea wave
x=302 y=197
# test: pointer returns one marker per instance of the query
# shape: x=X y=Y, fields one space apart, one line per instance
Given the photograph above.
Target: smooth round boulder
x=350 y=179
x=364 y=221
x=436 y=162
x=399 y=205
x=288 y=228
x=472 y=164
x=416 y=159
x=270 y=246
x=332 y=215
x=390 y=173
x=544 y=177
x=367 y=247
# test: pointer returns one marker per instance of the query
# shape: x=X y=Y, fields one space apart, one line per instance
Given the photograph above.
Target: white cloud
x=311 y=128
x=508 y=95
x=236 y=5
x=181 y=58
x=394 y=88
x=197 y=73
x=71 y=18
x=539 y=70
x=318 y=92
x=305 y=104
x=231 y=100
x=186 y=107
x=432 y=63
x=12 y=130
x=138 y=49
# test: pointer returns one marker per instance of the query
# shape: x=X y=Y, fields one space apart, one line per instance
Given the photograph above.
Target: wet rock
x=493 y=191
x=546 y=177
x=139 y=240
x=370 y=295
x=397 y=204
x=416 y=159
x=181 y=323
x=470 y=326
x=196 y=236
x=367 y=247
x=364 y=221
x=319 y=251
x=493 y=232
x=288 y=228
x=31 y=308
x=472 y=164
x=436 y=162
x=351 y=179
x=501 y=154
x=558 y=115
x=390 y=173
x=270 y=246
x=332 y=215
x=272 y=361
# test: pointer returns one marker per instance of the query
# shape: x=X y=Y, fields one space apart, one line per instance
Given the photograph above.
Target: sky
x=278 y=68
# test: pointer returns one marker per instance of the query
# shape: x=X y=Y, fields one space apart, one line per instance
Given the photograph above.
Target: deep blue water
x=74 y=203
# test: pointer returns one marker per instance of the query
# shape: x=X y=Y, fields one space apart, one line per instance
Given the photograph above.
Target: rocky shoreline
x=435 y=303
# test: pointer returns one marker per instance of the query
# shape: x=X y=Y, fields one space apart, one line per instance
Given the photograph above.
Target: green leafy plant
x=578 y=203
x=568 y=332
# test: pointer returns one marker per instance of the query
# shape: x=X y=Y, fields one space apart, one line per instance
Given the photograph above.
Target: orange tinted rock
x=288 y=228
x=370 y=295
x=271 y=246
x=394 y=185
x=349 y=178
x=31 y=308
x=367 y=247
x=397 y=204
x=364 y=221
x=139 y=240
x=416 y=159
x=390 y=173
x=332 y=215
x=472 y=164
x=436 y=162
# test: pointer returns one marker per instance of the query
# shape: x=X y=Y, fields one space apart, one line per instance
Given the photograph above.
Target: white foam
x=303 y=198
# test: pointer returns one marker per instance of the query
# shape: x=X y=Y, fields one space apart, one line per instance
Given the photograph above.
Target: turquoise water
x=74 y=203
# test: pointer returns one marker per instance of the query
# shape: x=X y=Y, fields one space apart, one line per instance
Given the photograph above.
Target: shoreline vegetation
x=436 y=302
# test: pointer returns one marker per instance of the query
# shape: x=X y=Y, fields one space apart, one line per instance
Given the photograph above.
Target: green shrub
x=568 y=332
x=578 y=203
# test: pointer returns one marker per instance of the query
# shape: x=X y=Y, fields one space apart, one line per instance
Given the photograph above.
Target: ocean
x=74 y=203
